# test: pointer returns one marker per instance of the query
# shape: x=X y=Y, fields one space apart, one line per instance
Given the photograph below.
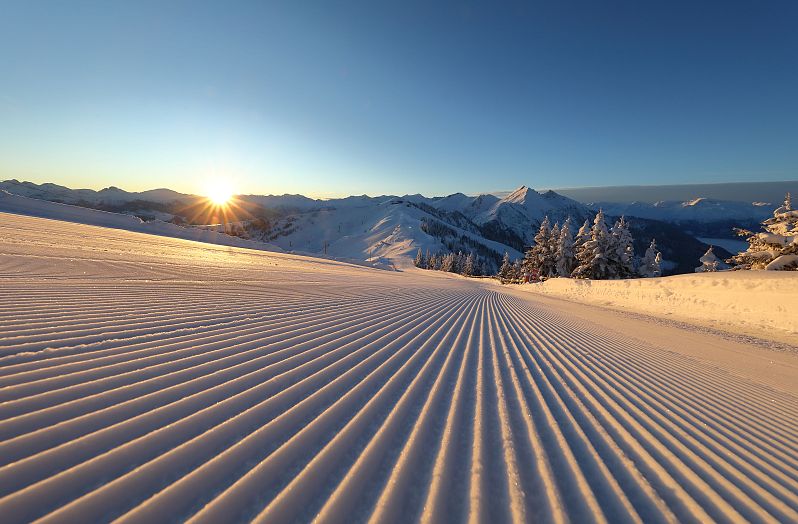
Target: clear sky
x=334 y=98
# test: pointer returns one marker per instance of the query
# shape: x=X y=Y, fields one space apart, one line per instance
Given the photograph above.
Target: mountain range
x=389 y=229
x=772 y=192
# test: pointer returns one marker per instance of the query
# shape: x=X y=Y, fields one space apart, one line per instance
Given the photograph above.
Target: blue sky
x=336 y=98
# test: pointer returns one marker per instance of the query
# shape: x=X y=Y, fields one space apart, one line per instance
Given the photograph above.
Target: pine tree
x=539 y=258
x=447 y=264
x=431 y=261
x=518 y=270
x=469 y=265
x=621 y=252
x=592 y=258
x=419 y=261
x=505 y=271
x=459 y=262
x=548 y=251
x=552 y=249
x=565 y=250
x=529 y=264
x=709 y=262
x=777 y=247
x=582 y=236
x=650 y=264
x=613 y=260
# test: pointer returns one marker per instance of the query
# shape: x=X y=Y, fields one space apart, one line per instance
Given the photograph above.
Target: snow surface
x=18 y=204
x=762 y=302
x=149 y=379
x=389 y=231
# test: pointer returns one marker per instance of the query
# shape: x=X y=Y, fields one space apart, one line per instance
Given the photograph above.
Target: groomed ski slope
x=149 y=379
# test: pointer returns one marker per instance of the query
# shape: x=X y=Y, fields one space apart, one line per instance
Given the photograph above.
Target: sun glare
x=219 y=192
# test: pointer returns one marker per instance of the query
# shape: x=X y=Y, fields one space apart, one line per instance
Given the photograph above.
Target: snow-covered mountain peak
x=520 y=195
x=454 y=202
x=523 y=209
x=694 y=202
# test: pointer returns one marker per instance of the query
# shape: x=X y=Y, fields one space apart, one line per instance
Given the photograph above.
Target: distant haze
x=772 y=192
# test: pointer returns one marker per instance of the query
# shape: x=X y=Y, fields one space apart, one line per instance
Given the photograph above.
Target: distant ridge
x=390 y=229
x=735 y=191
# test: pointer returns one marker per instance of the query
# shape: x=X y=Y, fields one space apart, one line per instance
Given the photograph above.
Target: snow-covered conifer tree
x=447 y=263
x=709 y=262
x=592 y=257
x=565 y=250
x=469 y=265
x=518 y=270
x=431 y=261
x=540 y=258
x=554 y=245
x=622 y=252
x=459 y=262
x=582 y=236
x=419 y=261
x=650 y=263
x=776 y=248
x=506 y=269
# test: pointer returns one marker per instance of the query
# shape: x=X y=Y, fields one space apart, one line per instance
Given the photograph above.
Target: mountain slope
x=391 y=229
x=523 y=210
x=109 y=195
x=66 y=212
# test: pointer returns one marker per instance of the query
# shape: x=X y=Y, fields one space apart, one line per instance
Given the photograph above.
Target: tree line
x=469 y=265
x=595 y=252
x=599 y=252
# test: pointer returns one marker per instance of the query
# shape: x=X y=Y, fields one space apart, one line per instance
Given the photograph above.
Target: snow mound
x=762 y=302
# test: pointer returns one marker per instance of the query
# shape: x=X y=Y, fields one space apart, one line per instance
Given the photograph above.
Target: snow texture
x=151 y=379
x=749 y=301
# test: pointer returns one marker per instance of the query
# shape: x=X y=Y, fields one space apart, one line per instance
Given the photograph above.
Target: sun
x=219 y=192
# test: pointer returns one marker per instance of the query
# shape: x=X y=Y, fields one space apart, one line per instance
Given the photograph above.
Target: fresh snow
x=17 y=204
x=760 y=302
x=150 y=379
x=390 y=231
